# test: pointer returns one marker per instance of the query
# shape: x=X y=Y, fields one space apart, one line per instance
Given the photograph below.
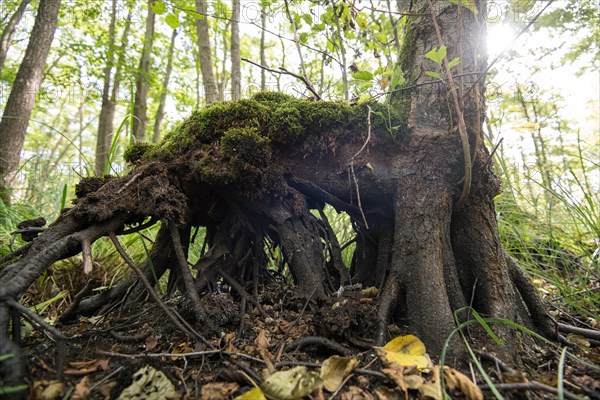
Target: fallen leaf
x=355 y=393
x=293 y=384
x=385 y=393
x=227 y=342
x=48 y=390
x=457 y=380
x=79 y=368
x=433 y=389
x=262 y=341
x=252 y=394
x=149 y=383
x=218 y=390
x=335 y=369
x=404 y=350
x=396 y=374
x=82 y=389
x=151 y=343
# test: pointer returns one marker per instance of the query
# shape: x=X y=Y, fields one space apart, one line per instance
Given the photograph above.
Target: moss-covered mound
x=237 y=143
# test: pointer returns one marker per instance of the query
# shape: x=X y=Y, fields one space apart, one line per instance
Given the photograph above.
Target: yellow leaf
x=404 y=350
x=335 y=369
x=252 y=394
x=457 y=380
x=408 y=344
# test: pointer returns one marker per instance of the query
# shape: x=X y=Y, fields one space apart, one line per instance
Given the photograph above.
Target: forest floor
x=135 y=352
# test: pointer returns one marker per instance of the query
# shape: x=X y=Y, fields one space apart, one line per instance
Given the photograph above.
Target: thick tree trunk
x=142 y=82
x=105 y=120
x=204 y=48
x=27 y=83
x=9 y=30
x=165 y=89
x=236 y=73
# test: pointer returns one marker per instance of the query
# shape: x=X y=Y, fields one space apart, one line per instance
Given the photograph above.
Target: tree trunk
x=22 y=97
x=204 y=48
x=236 y=77
x=263 y=59
x=142 y=81
x=104 y=124
x=165 y=89
x=9 y=30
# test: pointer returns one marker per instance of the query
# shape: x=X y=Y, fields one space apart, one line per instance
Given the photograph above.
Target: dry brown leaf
x=262 y=341
x=218 y=390
x=80 y=368
x=106 y=388
x=355 y=393
x=456 y=380
x=82 y=389
x=433 y=388
x=396 y=374
x=227 y=341
x=385 y=393
x=151 y=343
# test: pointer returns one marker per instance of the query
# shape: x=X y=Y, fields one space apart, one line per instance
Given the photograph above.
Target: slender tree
x=165 y=89
x=104 y=125
x=9 y=30
x=27 y=83
x=236 y=75
x=208 y=78
x=142 y=80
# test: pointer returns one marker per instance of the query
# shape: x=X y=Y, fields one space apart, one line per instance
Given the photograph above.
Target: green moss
x=136 y=151
x=247 y=145
x=233 y=143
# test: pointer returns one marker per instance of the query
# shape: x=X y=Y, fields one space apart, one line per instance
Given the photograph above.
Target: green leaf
x=397 y=78
x=303 y=37
x=361 y=20
x=437 y=54
x=307 y=18
x=318 y=27
x=522 y=6
x=172 y=21
x=453 y=63
x=363 y=75
x=159 y=7
x=468 y=4
x=433 y=74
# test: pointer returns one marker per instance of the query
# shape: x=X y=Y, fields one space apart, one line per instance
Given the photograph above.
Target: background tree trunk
x=25 y=88
x=165 y=89
x=236 y=78
x=208 y=77
x=9 y=30
x=104 y=124
x=142 y=80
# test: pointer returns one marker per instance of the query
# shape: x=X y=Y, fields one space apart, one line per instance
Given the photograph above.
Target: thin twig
x=283 y=71
x=358 y=199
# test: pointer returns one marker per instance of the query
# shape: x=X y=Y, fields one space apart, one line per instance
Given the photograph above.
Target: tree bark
x=165 y=89
x=205 y=55
x=9 y=30
x=142 y=80
x=22 y=97
x=236 y=74
x=104 y=120
x=263 y=58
